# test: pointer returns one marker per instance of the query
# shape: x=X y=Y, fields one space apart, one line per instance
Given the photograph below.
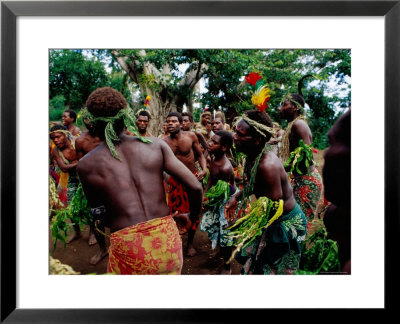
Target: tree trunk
x=164 y=96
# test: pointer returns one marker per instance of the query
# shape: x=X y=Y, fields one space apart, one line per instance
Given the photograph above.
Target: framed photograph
x=371 y=29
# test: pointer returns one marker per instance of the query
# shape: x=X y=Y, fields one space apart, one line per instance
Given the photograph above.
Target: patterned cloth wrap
x=213 y=222
x=307 y=192
x=152 y=247
x=72 y=186
x=178 y=200
x=278 y=249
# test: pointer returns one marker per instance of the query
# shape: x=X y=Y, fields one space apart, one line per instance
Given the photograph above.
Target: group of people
x=149 y=191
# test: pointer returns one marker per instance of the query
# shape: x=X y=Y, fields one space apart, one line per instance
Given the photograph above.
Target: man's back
x=131 y=190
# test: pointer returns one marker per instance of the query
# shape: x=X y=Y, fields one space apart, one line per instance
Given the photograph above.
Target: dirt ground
x=78 y=253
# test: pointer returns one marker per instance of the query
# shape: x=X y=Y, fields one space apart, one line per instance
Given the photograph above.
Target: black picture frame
x=10 y=10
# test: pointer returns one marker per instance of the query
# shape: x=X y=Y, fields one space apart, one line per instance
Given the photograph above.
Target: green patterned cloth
x=278 y=249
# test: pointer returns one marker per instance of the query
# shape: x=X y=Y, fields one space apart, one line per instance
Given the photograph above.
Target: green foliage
x=320 y=254
x=60 y=226
x=217 y=194
x=74 y=76
x=57 y=102
x=55 y=114
x=302 y=154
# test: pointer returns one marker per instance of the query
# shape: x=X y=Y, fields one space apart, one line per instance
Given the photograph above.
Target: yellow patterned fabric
x=152 y=247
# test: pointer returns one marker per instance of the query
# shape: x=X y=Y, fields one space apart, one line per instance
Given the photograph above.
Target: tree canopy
x=171 y=77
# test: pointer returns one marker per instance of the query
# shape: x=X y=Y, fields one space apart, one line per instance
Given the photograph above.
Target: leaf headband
x=109 y=132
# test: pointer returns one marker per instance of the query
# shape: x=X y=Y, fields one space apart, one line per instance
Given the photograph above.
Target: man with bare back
x=186 y=148
x=83 y=145
x=122 y=180
x=278 y=249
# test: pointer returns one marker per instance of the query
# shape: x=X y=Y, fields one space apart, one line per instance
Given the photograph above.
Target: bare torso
x=221 y=170
x=182 y=146
x=132 y=191
x=272 y=181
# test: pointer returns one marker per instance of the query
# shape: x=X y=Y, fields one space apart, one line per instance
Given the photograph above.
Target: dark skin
x=142 y=122
x=271 y=179
x=217 y=124
x=336 y=174
x=220 y=169
x=83 y=145
x=300 y=130
x=139 y=178
x=68 y=121
x=64 y=146
x=187 y=126
x=186 y=147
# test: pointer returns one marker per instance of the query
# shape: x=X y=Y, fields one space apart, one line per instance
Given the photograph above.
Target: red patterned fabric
x=178 y=200
x=153 y=247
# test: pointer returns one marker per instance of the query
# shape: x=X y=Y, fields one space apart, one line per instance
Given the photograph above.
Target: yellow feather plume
x=260 y=95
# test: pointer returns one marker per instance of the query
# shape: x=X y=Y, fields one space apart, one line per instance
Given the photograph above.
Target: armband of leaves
x=302 y=153
x=262 y=214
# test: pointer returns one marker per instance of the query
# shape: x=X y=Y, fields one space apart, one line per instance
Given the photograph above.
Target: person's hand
x=201 y=175
x=183 y=222
x=230 y=209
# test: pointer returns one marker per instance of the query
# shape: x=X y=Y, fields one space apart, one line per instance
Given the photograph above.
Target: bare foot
x=74 y=237
x=191 y=251
x=92 y=238
x=98 y=256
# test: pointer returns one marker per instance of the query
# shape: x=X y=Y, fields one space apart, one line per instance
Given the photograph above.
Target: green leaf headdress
x=109 y=132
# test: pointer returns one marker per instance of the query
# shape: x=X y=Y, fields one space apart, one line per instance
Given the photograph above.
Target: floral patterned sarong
x=278 y=249
x=152 y=247
x=307 y=192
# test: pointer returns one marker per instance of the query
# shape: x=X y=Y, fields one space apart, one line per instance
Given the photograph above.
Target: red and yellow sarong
x=153 y=247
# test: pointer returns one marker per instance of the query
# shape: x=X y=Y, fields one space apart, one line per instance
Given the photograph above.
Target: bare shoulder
x=301 y=125
x=190 y=135
x=271 y=163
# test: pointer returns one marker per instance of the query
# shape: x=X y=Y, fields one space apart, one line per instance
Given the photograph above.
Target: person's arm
x=200 y=156
x=202 y=142
x=78 y=149
x=182 y=174
x=60 y=162
x=90 y=189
